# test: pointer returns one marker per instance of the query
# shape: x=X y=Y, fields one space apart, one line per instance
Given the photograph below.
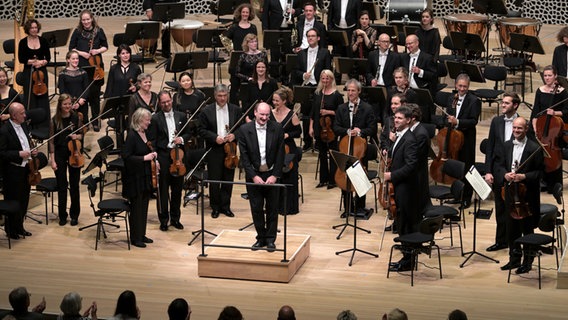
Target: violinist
x=7 y=94
x=137 y=179
x=363 y=38
x=388 y=133
x=214 y=120
x=261 y=87
x=90 y=41
x=546 y=96
x=326 y=101
x=404 y=177
x=188 y=98
x=464 y=118
x=289 y=121
x=500 y=130
x=166 y=124
x=516 y=153
x=429 y=35
x=144 y=97
x=402 y=86
x=354 y=122
x=123 y=75
x=34 y=54
x=73 y=81
x=59 y=154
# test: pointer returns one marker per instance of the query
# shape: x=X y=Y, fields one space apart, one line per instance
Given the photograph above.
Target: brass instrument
x=288 y=12
x=227 y=43
x=294 y=38
x=20 y=19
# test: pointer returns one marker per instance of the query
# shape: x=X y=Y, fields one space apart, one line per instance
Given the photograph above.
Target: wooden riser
x=562 y=275
x=244 y=264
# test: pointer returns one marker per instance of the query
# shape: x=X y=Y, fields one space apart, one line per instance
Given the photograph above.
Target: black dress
x=429 y=41
x=11 y=95
x=136 y=102
x=262 y=93
x=74 y=83
x=25 y=53
x=120 y=79
x=243 y=71
x=237 y=34
x=188 y=103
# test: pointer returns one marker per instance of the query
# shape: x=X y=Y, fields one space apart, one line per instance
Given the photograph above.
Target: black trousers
x=170 y=203
x=16 y=187
x=327 y=164
x=219 y=194
x=500 y=216
x=62 y=161
x=138 y=216
x=263 y=205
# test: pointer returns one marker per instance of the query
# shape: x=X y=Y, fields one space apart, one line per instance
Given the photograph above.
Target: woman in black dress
x=89 y=40
x=241 y=26
x=292 y=130
x=402 y=85
x=34 y=54
x=429 y=36
x=260 y=88
x=59 y=154
x=188 y=98
x=363 y=39
x=144 y=98
x=137 y=180
x=74 y=81
x=326 y=90
x=122 y=76
x=7 y=95
x=245 y=65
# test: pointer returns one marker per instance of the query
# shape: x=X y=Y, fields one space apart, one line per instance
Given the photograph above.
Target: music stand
x=426 y=104
x=351 y=66
x=478 y=213
x=391 y=30
x=235 y=55
x=488 y=7
x=304 y=95
x=280 y=39
x=343 y=162
x=166 y=13
x=456 y=68
x=182 y=61
x=373 y=10
x=119 y=105
x=467 y=42
x=225 y=7
x=57 y=38
x=142 y=30
x=377 y=98
x=209 y=38
x=525 y=43
x=338 y=38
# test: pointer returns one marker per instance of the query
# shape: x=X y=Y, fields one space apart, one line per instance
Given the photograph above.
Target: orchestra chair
x=534 y=245
x=9 y=47
x=451 y=216
x=418 y=242
x=480 y=166
x=107 y=209
x=47 y=187
x=447 y=44
x=515 y=64
x=546 y=208
x=114 y=166
x=8 y=208
x=121 y=38
x=496 y=74
x=443 y=193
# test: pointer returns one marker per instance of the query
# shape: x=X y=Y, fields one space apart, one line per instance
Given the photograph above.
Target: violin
x=76 y=158
x=34 y=177
x=231 y=158
x=39 y=87
x=96 y=61
x=450 y=142
x=548 y=130
x=177 y=167
x=326 y=130
x=516 y=193
x=155 y=172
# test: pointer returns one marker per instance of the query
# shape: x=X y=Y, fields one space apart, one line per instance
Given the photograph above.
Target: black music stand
x=496 y=7
x=97 y=162
x=119 y=105
x=280 y=39
x=478 y=213
x=343 y=162
x=373 y=10
x=291 y=65
x=209 y=38
x=525 y=43
x=472 y=70
x=182 y=61
x=235 y=55
x=148 y=30
x=338 y=38
x=352 y=66
x=225 y=7
x=56 y=39
x=166 y=13
x=377 y=98
x=426 y=104
x=304 y=95
x=391 y=30
x=467 y=42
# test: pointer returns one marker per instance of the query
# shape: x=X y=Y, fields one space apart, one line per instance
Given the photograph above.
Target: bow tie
x=261 y=128
x=509 y=119
x=383 y=54
x=312 y=50
x=414 y=55
x=518 y=143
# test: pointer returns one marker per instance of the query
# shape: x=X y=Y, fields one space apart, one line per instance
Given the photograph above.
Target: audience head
x=126 y=303
x=457 y=315
x=395 y=314
x=179 y=310
x=230 y=313
x=346 y=315
x=286 y=313
x=19 y=298
x=71 y=304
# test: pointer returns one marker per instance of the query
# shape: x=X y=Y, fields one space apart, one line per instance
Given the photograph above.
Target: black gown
x=74 y=83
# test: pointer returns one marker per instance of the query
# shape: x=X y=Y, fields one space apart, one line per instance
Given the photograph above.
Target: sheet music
x=359 y=179
x=478 y=183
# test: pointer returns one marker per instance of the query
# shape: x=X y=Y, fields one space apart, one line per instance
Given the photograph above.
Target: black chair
x=496 y=74
x=480 y=166
x=419 y=242
x=47 y=187
x=107 y=209
x=115 y=166
x=9 y=47
x=443 y=193
x=549 y=208
x=8 y=208
x=534 y=245
x=121 y=38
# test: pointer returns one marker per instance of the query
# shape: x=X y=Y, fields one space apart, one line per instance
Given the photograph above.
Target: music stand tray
x=338 y=38
x=351 y=65
x=165 y=12
x=374 y=95
x=391 y=30
x=119 y=105
x=467 y=41
x=182 y=61
x=473 y=71
x=209 y=38
x=424 y=96
x=142 y=31
x=303 y=94
x=98 y=160
x=277 y=38
x=57 y=38
x=490 y=6
x=225 y=7
x=525 y=43
x=291 y=62
x=234 y=59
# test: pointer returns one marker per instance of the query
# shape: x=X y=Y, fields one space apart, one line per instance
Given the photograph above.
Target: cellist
x=519 y=151
x=354 y=118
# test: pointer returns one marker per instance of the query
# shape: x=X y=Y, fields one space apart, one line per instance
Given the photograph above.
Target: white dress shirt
x=222 y=115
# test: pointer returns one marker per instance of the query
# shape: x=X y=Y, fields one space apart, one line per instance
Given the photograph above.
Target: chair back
x=495 y=73
x=372 y=152
x=457 y=189
x=483 y=146
x=547 y=222
x=431 y=225
x=9 y=46
x=454 y=168
x=91 y=184
x=557 y=193
x=105 y=142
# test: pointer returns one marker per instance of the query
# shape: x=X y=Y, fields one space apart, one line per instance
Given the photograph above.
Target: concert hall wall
x=547 y=11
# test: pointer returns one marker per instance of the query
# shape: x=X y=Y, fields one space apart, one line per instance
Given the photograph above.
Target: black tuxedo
x=559 y=59
x=423 y=150
x=351 y=14
x=426 y=63
x=160 y=137
x=323 y=62
x=320 y=27
x=392 y=62
x=250 y=158
x=220 y=195
x=272 y=14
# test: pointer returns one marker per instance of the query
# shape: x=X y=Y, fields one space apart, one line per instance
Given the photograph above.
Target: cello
x=549 y=129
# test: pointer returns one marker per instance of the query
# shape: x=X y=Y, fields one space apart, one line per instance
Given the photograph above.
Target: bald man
x=421 y=66
x=382 y=63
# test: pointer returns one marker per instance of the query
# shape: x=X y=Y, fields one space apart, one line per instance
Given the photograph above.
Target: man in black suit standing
x=166 y=124
x=343 y=15
x=517 y=152
x=560 y=56
x=403 y=175
x=500 y=130
x=15 y=154
x=354 y=118
x=423 y=151
x=215 y=121
x=261 y=143
x=382 y=63
x=306 y=22
x=464 y=109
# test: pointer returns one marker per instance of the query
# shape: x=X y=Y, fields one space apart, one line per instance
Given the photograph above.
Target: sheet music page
x=359 y=179
x=478 y=183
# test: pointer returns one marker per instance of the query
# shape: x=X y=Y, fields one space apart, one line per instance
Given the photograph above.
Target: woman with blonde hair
x=245 y=65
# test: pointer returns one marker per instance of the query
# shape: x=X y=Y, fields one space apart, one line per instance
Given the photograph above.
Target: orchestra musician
x=548 y=95
x=307 y=21
x=382 y=64
x=137 y=178
x=187 y=98
x=326 y=90
x=560 y=55
x=144 y=97
x=402 y=86
x=34 y=54
x=421 y=66
x=261 y=143
x=74 y=81
x=290 y=123
x=343 y=15
x=388 y=135
x=428 y=35
x=167 y=123
x=500 y=130
x=245 y=65
x=7 y=94
x=363 y=39
x=90 y=41
x=123 y=75
x=464 y=118
x=59 y=153
x=215 y=120
x=351 y=121
x=404 y=177
x=241 y=26
x=260 y=88
x=517 y=152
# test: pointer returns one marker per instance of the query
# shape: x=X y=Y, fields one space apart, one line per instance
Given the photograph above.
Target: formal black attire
x=170 y=203
x=559 y=58
x=423 y=150
x=188 y=103
x=290 y=176
x=385 y=143
x=533 y=170
x=25 y=53
x=74 y=83
x=11 y=95
x=262 y=92
x=327 y=165
x=318 y=25
x=220 y=194
x=244 y=70
x=429 y=41
x=467 y=117
x=237 y=34
x=81 y=40
x=262 y=198
x=26 y=315
x=392 y=62
x=136 y=102
x=120 y=78
x=351 y=19
x=136 y=183
x=364 y=50
x=425 y=62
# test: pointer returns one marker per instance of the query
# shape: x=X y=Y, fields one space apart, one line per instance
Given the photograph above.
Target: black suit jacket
x=208 y=122
x=323 y=62
x=272 y=14
x=363 y=119
x=469 y=113
x=559 y=59
x=334 y=13
x=158 y=130
x=250 y=153
x=495 y=144
x=10 y=145
x=320 y=27
x=426 y=63
x=392 y=62
x=423 y=150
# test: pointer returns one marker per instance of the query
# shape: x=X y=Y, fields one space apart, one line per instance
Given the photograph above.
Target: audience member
x=286 y=313
x=346 y=315
x=230 y=313
x=395 y=314
x=179 y=310
x=20 y=301
x=457 y=315
x=71 y=306
x=126 y=308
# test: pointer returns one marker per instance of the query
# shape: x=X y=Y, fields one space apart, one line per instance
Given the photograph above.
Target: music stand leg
x=30 y=216
x=469 y=254
x=201 y=231
x=346 y=223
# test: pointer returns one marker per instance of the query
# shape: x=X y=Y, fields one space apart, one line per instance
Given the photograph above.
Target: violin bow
x=243 y=116
x=190 y=118
x=10 y=102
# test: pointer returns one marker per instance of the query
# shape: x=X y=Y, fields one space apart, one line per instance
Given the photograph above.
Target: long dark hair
x=126 y=305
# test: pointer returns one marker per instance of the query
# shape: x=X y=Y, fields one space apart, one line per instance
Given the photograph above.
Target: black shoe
x=214 y=214
x=14 y=236
x=62 y=222
x=525 y=268
x=388 y=228
x=147 y=240
x=74 y=222
x=229 y=213
x=321 y=184
x=258 y=244
x=177 y=225
x=271 y=247
x=25 y=233
x=466 y=204
x=96 y=128
x=163 y=227
x=139 y=244
x=331 y=186
x=496 y=247
x=511 y=265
